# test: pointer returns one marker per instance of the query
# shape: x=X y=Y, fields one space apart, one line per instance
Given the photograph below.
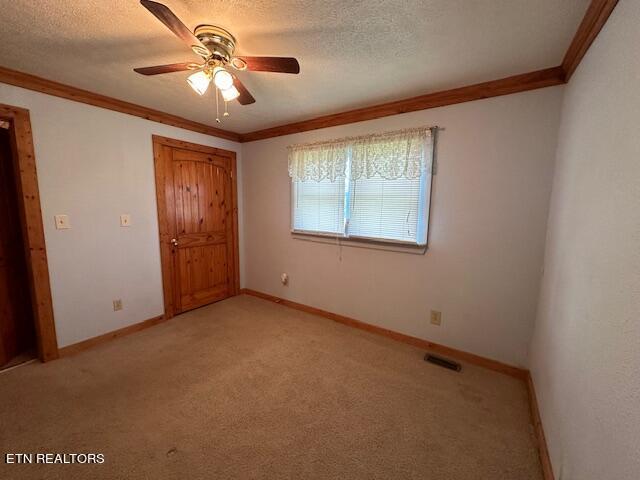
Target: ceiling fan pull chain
x=226 y=112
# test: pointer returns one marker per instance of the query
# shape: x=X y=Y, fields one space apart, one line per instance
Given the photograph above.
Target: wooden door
x=198 y=224
x=17 y=331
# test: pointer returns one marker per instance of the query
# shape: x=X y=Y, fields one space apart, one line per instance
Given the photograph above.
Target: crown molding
x=42 y=85
x=597 y=15
x=494 y=88
x=595 y=18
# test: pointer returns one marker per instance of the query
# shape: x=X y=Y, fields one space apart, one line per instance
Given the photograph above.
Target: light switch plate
x=436 y=318
x=125 y=220
x=62 y=222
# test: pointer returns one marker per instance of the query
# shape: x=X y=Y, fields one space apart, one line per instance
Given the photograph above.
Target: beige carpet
x=248 y=389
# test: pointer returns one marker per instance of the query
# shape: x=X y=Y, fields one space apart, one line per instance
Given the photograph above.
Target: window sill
x=389 y=246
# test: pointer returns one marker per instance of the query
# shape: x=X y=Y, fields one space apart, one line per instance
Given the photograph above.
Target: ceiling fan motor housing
x=218 y=41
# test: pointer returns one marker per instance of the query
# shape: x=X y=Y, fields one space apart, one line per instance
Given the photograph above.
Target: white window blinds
x=375 y=187
x=386 y=209
x=319 y=206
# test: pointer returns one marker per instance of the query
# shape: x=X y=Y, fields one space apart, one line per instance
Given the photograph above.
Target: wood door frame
x=166 y=259
x=26 y=180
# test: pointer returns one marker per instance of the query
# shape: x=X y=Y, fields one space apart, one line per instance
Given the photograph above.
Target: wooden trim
x=163 y=226
x=593 y=21
x=505 y=86
x=195 y=147
x=236 y=237
x=38 y=84
x=474 y=359
x=100 y=339
x=597 y=15
x=547 y=469
x=32 y=229
x=160 y=145
x=595 y=18
x=494 y=88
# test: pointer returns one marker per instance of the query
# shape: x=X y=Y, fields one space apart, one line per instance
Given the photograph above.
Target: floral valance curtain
x=317 y=162
x=391 y=155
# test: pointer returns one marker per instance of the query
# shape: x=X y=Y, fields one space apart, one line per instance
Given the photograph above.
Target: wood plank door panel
x=198 y=223
x=202 y=191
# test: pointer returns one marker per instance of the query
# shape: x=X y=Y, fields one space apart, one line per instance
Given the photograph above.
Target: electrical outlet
x=117 y=305
x=125 y=220
x=62 y=222
x=436 y=318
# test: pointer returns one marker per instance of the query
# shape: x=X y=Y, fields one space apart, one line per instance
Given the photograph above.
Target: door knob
x=174 y=242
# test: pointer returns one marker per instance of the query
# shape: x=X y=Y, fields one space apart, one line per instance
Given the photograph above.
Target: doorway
x=198 y=221
x=17 y=331
x=26 y=311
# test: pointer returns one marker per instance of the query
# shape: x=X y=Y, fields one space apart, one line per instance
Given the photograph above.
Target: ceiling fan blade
x=173 y=67
x=271 y=64
x=173 y=23
x=245 y=97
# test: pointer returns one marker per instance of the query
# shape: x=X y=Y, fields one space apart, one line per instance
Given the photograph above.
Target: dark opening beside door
x=17 y=330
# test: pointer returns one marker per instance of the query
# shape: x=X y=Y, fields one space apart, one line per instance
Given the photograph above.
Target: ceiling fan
x=216 y=46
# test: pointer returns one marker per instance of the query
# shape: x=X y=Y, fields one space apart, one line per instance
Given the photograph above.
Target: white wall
x=95 y=164
x=489 y=210
x=585 y=352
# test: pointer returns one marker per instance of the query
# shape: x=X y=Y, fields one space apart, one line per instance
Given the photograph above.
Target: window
x=371 y=188
x=319 y=206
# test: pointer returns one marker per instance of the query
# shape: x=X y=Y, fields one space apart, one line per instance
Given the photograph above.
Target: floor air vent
x=442 y=362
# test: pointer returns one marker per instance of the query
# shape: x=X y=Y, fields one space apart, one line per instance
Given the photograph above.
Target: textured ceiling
x=352 y=53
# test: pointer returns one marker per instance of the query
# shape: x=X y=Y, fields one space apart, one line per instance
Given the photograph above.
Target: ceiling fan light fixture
x=199 y=81
x=222 y=78
x=230 y=93
x=216 y=46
